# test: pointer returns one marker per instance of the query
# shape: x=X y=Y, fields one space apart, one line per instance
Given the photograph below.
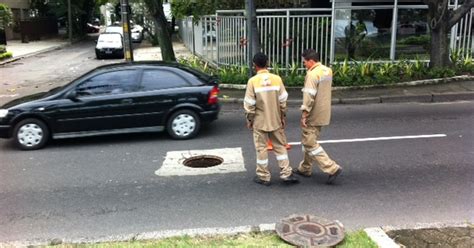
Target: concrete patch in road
x=173 y=164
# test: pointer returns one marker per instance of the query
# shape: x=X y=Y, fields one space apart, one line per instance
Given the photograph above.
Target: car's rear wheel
x=30 y=134
x=183 y=124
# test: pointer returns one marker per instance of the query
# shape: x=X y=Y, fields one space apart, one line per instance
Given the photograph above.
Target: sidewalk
x=20 y=50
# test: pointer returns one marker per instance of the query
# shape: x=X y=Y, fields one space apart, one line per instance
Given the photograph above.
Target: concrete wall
x=20 y=11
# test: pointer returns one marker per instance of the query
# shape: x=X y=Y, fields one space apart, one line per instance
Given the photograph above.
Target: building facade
x=20 y=10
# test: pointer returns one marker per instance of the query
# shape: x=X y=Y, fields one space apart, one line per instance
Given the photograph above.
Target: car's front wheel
x=183 y=124
x=30 y=134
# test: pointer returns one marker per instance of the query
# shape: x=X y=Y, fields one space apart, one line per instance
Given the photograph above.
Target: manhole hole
x=309 y=230
x=203 y=161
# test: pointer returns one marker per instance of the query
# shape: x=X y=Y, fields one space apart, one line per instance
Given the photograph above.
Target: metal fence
x=284 y=34
x=462 y=35
x=221 y=39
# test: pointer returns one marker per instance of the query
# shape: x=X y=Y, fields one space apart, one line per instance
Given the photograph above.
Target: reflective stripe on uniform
x=316 y=151
x=267 y=88
x=250 y=101
x=309 y=91
x=262 y=161
x=282 y=157
x=283 y=97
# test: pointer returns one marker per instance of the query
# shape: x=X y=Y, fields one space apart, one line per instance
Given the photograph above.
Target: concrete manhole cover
x=203 y=161
x=309 y=230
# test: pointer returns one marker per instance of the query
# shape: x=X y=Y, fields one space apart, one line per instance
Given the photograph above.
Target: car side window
x=114 y=82
x=161 y=79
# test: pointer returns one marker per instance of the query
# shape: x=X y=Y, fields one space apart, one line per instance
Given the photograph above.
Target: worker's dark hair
x=260 y=60
x=310 y=54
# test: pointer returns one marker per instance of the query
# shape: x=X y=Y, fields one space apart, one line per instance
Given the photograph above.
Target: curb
x=377 y=234
x=262 y=228
x=424 y=98
x=49 y=49
x=411 y=83
x=380 y=238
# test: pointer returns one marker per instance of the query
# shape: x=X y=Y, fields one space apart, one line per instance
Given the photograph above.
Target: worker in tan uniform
x=265 y=110
x=316 y=113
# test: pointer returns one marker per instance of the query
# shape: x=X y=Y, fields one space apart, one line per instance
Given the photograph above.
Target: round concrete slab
x=309 y=230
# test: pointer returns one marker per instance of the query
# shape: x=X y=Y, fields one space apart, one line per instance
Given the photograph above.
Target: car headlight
x=3 y=113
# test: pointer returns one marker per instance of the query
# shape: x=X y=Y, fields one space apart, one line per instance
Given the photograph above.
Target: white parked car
x=109 y=44
x=137 y=33
x=114 y=29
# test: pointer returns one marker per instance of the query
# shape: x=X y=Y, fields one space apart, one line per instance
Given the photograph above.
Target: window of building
x=363 y=34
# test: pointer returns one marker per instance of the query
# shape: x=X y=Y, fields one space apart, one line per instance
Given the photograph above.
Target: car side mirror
x=72 y=95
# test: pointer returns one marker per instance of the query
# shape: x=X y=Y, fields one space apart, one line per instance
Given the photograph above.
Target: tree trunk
x=440 y=47
x=155 y=9
x=256 y=47
x=438 y=17
x=441 y=19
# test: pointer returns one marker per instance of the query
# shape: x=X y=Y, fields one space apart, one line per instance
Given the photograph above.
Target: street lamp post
x=127 y=37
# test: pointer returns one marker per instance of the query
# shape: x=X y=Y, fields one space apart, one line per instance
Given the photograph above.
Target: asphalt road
x=48 y=70
x=99 y=186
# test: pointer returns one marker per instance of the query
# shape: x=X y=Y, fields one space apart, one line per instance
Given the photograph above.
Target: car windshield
x=110 y=38
x=114 y=29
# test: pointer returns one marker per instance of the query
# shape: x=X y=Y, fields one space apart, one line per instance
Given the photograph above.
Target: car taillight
x=213 y=95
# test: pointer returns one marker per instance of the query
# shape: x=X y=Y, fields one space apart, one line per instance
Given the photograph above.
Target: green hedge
x=348 y=73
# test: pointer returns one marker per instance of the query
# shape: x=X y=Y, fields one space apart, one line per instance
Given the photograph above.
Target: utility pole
x=69 y=17
x=127 y=36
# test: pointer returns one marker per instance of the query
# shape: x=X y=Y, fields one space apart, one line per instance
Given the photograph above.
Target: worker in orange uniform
x=316 y=113
x=265 y=110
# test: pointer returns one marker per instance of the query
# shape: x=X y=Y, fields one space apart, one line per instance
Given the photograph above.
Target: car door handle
x=127 y=100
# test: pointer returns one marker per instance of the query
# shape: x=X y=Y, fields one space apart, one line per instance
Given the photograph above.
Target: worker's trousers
x=313 y=151
x=278 y=140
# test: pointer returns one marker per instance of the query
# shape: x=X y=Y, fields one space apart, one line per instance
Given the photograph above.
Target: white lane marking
x=173 y=164
x=424 y=136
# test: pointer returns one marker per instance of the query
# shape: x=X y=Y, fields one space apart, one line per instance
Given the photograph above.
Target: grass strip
x=358 y=239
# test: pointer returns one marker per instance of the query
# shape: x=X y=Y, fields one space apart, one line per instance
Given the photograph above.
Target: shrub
x=347 y=73
x=5 y=55
x=3 y=49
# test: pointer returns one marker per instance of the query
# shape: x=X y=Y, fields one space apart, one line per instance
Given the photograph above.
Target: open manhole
x=203 y=161
x=310 y=231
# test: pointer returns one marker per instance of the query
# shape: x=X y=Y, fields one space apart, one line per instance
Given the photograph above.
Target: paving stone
x=434 y=236
x=461 y=242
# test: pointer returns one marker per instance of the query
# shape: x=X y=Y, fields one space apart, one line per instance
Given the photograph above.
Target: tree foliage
x=6 y=16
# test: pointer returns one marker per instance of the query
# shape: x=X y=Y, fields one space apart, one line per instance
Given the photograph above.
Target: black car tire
x=183 y=124
x=30 y=134
x=98 y=56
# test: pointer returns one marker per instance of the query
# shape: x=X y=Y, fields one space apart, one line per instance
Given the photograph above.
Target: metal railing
x=221 y=39
x=462 y=35
x=284 y=34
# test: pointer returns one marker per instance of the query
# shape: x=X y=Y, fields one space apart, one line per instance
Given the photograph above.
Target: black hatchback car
x=115 y=99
